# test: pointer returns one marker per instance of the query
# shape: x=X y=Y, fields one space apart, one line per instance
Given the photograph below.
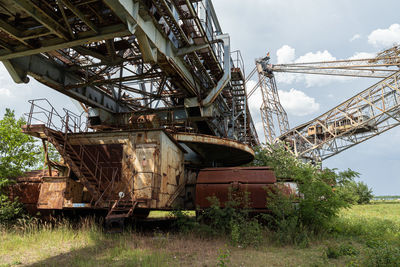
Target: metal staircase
x=244 y=123
x=75 y=160
x=45 y=122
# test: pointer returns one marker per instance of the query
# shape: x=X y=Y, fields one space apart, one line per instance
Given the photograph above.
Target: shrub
x=184 y=222
x=348 y=250
x=364 y=193
x=233 y=220
x=319 y=201
x=9 y=210
x=223 y=258
x=334 y=251
x=355 y=192
x=381 y=253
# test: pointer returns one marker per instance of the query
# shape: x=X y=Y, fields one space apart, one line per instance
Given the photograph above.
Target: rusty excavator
x=165 y=115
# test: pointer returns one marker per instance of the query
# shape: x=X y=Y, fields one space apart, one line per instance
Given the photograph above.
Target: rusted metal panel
x=73 y=193
x=27 y=189
x=143 y=186
x=52 y=193
x=256 y=194
x=26 y=192
x=172 y=171
x=247 y=175
x=250 y=183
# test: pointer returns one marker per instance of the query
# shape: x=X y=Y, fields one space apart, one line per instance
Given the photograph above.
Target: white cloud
x=311 y=80
x=255 y=99
x=297 y=103
x=355 y=37
x=385 y=37
x=362 y=55
x=5 y=92
x=316 y=57
x=285 y=54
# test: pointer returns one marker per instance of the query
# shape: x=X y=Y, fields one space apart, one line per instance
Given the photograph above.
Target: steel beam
x=42 y=17
x=60 y=78
x=79 y=14
x=15 y=33
x=105 y=33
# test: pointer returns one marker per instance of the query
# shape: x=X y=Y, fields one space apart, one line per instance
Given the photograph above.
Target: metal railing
x=43 y=112
x=237 y=61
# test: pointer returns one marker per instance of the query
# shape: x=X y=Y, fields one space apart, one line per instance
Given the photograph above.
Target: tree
x=18 y=151
x=364 y=193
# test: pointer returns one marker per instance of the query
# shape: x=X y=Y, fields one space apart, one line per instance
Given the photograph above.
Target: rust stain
x=221 y=182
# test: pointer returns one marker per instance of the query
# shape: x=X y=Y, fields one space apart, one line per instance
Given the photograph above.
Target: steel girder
x=59 y=78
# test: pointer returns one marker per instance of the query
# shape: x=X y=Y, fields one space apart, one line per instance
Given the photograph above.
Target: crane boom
x=365 y=115
x=379 y=67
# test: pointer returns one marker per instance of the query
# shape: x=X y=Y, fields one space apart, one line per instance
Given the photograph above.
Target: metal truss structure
x=272 y=112
x=385 y=64
x=367 y=114
x=125 y=58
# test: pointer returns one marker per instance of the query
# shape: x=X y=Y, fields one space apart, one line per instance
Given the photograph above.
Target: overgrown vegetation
x=322 y=193
x=18 y=153
x=29 y=242
x=232 y=221
x=293 y=219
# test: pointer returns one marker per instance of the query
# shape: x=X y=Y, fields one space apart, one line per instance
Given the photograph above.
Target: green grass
x=362 y=235
x=375 y=221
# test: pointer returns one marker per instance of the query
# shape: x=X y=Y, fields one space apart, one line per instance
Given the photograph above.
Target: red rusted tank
x=223 y=182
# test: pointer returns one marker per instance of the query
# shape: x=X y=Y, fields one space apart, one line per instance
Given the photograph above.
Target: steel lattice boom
x=380 y=67
x=367 y=114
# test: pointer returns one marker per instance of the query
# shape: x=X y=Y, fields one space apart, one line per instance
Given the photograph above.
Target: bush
x=355 y=192
x=184 y=222
x=321 y=195
x=9 y=210
x=334 y=251
x=234 y=221
x=319 y=202
x=364 y=193
x=381 y=253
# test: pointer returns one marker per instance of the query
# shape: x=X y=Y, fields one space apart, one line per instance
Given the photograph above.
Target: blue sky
x=299 y=30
